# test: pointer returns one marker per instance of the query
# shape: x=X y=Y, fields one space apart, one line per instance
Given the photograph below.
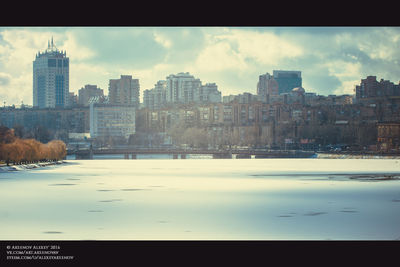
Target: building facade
x=184 y=88
x=287 y=80
x=207 y=93
x=108 y=120
x=371 y=88
x=181 y=88
x=51 y=78
x=87 y=92
x=57 y=122
x=72 y=99
x=267 y=86
x=389 y=136
x=155 y=98
x=124 y=91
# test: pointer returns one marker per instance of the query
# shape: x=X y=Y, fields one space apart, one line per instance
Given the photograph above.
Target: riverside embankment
x=21 y=167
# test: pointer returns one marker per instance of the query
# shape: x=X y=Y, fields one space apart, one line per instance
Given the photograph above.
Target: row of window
x=52 y=62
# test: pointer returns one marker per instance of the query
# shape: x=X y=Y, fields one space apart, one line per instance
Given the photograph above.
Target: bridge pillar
x=222 y=156
x=134 y=156
x=175 y=156
x=82 y=155
x=183 y=156
x=262 y=156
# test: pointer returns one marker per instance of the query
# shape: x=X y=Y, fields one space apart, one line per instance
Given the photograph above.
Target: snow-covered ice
x=203 y=199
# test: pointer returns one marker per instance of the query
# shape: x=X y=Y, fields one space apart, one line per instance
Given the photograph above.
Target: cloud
x=239 y=49
x=332 y=59
x=76 y=51
x=165 y=42
x=318 y=81
x=17 y=51
x=120 y=47
x=335 y=59
x=264 y=47
x=4 y=79
x=184 y=44
x=234 y=58
x=217 y=57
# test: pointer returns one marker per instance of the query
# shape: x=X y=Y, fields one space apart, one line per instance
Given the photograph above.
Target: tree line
x=19 y=151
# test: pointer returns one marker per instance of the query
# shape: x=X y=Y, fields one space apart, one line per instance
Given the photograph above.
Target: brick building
x=389 y=136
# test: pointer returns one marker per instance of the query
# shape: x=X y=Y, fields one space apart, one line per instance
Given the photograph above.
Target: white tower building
x=51 y=78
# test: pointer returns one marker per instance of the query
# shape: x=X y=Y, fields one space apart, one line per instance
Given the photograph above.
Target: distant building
x=266 y=86
x=371 y=88
x=87 y=92
x=112 y=120
x=99 y=100
x=287 y=80
x=208 y=93
x=184 y=88
x=244 y=98
x=59 y=122
x=51 y=78
x=148 y=99
x=389 y=136
x=228 y=98
x=155 y=98
x=72 y=99
x=181 y=88
x=124 y=91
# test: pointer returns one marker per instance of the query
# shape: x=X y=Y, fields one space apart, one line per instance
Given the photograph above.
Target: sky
x=332 y=60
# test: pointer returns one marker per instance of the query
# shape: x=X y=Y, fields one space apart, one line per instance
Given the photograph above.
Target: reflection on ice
x=376 y=177
x=350 y=211
x=314 y=213
x=110 y=200
x=60 y=184
x=133 y=189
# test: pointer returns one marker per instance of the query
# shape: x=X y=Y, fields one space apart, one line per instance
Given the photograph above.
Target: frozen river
x=203 y=199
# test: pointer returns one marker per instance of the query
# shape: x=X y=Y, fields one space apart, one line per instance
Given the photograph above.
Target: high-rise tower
x=287 y=80
x=182 y=88
x=51 y=78
x=124 y=91
x=266 y=87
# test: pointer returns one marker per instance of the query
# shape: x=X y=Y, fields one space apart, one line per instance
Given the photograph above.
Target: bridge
x=221 y=154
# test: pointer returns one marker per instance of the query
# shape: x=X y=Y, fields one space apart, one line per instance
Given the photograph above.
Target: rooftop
x=51 y=50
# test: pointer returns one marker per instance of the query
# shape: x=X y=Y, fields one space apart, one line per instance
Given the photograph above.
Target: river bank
x=354 y=156
x=22 y=167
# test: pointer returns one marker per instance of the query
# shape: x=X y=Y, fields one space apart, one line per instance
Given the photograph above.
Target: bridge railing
x=184 y=151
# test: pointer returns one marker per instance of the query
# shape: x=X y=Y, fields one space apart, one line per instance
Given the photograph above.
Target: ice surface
x=197 y=199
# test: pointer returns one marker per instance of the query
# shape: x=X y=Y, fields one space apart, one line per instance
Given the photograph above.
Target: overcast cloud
x=332 y=59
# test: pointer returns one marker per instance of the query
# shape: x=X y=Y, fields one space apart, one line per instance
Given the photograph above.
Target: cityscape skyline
x=332 y=60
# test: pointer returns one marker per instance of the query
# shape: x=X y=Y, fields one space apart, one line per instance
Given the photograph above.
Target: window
x=41 y=91
x=60 y=90
x=51 y=62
